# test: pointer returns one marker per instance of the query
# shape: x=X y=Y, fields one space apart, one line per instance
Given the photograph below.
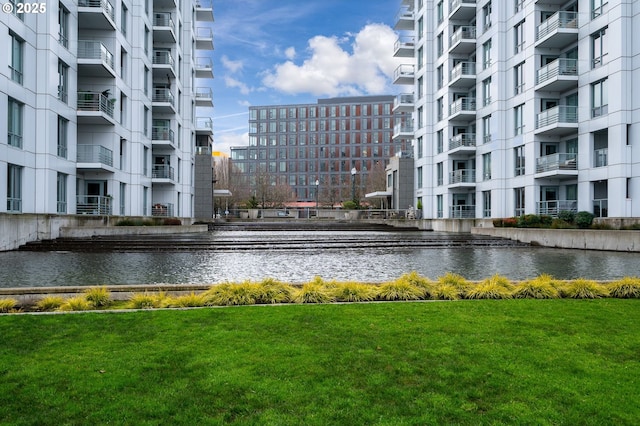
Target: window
x=146 y=40
x=440 y=174
x=519 y=5
x=440 y=44
x=600 y=148
x=420 y=59
x=145 y=121
x=63 y=84
x=486 y=166
x=486 y=203
x=419 y=153
x=598 y=7
x=440 y=11
x=440 y=141
x=420 y=114
x=486 y=91
x=519 y=160
x=440 y=108
x=17 y=55
x=518 y=78
x=146 y=80
x=61 y=197
x=518 y=119
x=123 y=19
x=420 y=27
x=599 y=101
x=486 y=128
x=419 y=177
x=439 y=203
x=14 y=123
x=599 y=48
x=14 y=188
x=486 y=16
x=486 y=54
x=62 y=136
x=440 y=76
x=420 y=87
x=519 y=201
x=63 y=25
x=15 y=9
x=518 y=31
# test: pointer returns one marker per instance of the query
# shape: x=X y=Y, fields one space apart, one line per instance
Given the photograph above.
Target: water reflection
x=21 y=269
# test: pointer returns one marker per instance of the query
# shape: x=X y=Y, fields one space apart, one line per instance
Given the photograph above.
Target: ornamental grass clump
x=445 y=292
x=583 y=289
x=147 y=300
x=400 y=290
x=541 y=287
x=315 y=291
x=7 y=305
x=419 y=281
x=49 y=303
x=99 y=297
x=353 y=292
x=454 y=280
x=245 y=293
x=496 y=287
x=625 y=288
x=191 y=300
x=77 y=303
x=272 y=291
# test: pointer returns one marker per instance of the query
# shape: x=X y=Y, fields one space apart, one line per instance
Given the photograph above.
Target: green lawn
x=536 y=362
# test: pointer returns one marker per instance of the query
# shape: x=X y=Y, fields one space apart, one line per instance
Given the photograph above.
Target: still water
x=367 y=264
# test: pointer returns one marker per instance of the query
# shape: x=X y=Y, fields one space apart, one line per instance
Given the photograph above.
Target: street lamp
x=353 y=184
x=317 y=188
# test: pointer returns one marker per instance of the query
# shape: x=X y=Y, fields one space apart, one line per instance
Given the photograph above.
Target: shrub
x=245 y=293
x=567 y=216
x=528 y=221
x=560 y=224
x=584 y=219
x=313 y=292
x=496 y=287
x=147 y=300
x=125 y=222
x=445 y=292
x=546 y=221
x=601 y=226
x=400 y=290
x=538 y=288
x=98 y=296
x=49 y=303
x=625 y=288
x=419 y=281
x=510 y=222
x=273 y=291
x=353 y=292
x=7 y=305
x=455 y=280
x=191 y=300
x=583 y=289
x=172 y=221
x=349 y=205
x=77 y=303
x=634 y=227
x=497 y=223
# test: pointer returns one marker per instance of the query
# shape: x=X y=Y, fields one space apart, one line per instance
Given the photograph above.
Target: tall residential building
x=98 y=101
x=523 y=106
x=327 y=147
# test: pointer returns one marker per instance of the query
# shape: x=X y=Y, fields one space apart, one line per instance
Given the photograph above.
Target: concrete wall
x=588 y=239
x=86 y=232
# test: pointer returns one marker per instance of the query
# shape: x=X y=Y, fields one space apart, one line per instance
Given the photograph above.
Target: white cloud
x=244 y=103
x=290 y=53
x=224 y=141
x=232 y=82
x=330 y=70
x=233 y=66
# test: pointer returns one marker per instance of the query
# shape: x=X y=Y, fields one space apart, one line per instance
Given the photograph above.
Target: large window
x=486 y=91
x=486 y=128
x=518 y=31
x=486 y=166
x=63 y=25
x=14 y=188
x=440 y=174
x=486 y=16
x=598 y=7
x=486 y=54
x=440 y=11
x=14 y=123
x=63 y=81
x=599 y=48
x=61 y=193
x=599 y=99
x=439 y=141
x=519 y=160
x=17 y=56
x=519 y=201
x=420 y=177
x=420 y=152
x=63 y=124
x=440 y=44
x=518 y=113
x=518 y=78
x=486 y=203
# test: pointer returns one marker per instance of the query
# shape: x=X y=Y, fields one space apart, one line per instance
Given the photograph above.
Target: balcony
x=463 y=75
x=162 y=210
x=404 y=47
x=463 y=177
x=559 y=120
x=463 y=142
x=404 y=103
x=95 y=108
x=204 y=126
x=94 y=204
x=94 y=60
x=558 y=76
x=162 y=174
x=560 y=30
x=204 y=97
x=465 y=211
x=162 y=101
x=557 y=165
x=403 y=130
x=203 y=67
x=405 y=19
x=463 y=40
x=204 y=38
x=163 y=64
x=164 y=4
x=462 y=10
x=463 y=109
x=404 y=74
x=164 y=29
x=162 y=136
x=94 y=158
x=552 y=208
x=204 y=11
x=96 y=15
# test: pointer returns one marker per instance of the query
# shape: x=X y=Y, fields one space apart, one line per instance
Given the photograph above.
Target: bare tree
x=376 y=181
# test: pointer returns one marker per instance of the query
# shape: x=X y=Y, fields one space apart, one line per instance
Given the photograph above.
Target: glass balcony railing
x=90 y=49
x=465 y=32
x=162 y=172
x=95 y=101
x=161 y=133
x=163 y=20
x=106 y=6
x=463 y=105
x=465 y=211
x=561 y=66
x=560 y=19
x=552 y=208
x=557 y=114
x=462 y=139
x=462 y=176
x=462 y=68
x=95 y=154
x=93 y=204
x=558 y=161
x=162 y=57
x=163 y=95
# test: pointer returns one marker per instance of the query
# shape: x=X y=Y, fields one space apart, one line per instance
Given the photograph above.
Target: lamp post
x=353 y=184
x=317 y=189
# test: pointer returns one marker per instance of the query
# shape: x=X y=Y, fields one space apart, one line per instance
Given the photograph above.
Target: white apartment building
x=522 y=106
x=98 y=100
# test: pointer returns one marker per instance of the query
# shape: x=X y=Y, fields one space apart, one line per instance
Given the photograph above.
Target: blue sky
x=296 y=51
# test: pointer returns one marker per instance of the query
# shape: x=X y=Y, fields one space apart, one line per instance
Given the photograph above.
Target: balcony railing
x=462 y=68
x=403 y=127
x=557 y=114
x=162 y=172
x=95 y=154
x=465 y=211
x=600 y=157
x=162 y=57
x=161 y=94
x=95 y=101
x=104 y=4
x=462 y=105
x=558 y=161
x=404 y=99
x=462 y=176
x=93 y=204
x=552 y=208
x=90 y=49
x=162 y=210
x=404 y=71
x=601 y=207
x=161 y=133
x=163 y=19
x=561 y=66
x=203 y=63
x=465 y=32
x=462 y=139
x=204 y=123
x=203 y=93
x=560 y=19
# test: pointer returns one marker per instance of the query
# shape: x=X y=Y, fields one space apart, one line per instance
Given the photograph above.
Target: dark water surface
x=367 y=264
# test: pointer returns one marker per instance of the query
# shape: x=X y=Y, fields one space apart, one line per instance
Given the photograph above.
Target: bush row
x=410 y=286
x=565 y=219
x=150 y=222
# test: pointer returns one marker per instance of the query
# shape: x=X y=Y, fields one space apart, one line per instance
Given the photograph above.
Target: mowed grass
x=402 y=363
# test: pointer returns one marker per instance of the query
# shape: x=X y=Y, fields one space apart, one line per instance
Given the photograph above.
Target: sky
x=272 y=52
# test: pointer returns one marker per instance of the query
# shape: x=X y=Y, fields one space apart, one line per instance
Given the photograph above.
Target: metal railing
x=403 y=127
x=203 y=63
x=162 y=210
x=462 y=68
x=91 y=49
x=404 y=99
x=600 y=157
x=462 y=139
x=561 y=66
x=106 y=6
x=162 y=57
x=558 y=161
x=465 y=211
x=95 y=101
x=163 y=19
x=203 y=93
x=162 y=94
x=404 y=42
x=560 y=19
x=204 y=123
x=404 y=14
x=601 y=207
x=557 y=114
x=95 y=154
x=462 y=176
x=404 y=71
x=162 y=172
x=465 y=32
x=93 y=204
x=203 y=33
x=161 y=133
x=462 y=105
x=552 y=208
